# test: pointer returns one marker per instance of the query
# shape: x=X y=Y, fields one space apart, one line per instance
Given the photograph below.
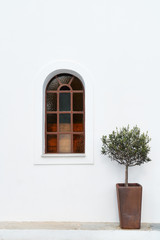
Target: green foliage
x=127 y=146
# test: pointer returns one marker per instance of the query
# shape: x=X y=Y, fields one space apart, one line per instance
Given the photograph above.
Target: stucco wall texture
x=117 y=42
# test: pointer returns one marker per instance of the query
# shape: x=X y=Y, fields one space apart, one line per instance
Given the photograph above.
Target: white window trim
x=41 y=81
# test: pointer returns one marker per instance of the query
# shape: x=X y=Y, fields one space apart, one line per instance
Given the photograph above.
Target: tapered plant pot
x=129 y=205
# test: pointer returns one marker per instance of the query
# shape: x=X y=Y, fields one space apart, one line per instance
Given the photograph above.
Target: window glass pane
x=77 y=101
x=53 y=84
x=64 y=78
x=78 y=143
x=64 y=102
x=64 y=88
x=64 y=122
x=65 y=143
x=76 y=84
x=51 y=122
x=51 y=143
x=77 y=122
x=51 y=101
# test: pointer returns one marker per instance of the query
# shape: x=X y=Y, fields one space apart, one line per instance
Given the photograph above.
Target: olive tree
x=127 y=147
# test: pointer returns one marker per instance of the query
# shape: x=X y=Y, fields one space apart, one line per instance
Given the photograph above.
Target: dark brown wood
x=61 y=85
x=66 y=91
x=84 y=118
x=129 y=205
x=74 y=112
x=58 y=121
x=71 y=112
x=77 y=133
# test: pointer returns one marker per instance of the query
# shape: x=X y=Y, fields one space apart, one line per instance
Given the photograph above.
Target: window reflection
x=51 y=122
x=77 y=122
x=64 y=102
x=64 y=122
x=52 y=143
x=77 y=101
x=65 y=143
x=78 y=143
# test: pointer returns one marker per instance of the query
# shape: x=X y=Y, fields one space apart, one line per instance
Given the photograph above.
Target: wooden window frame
x=71 y=112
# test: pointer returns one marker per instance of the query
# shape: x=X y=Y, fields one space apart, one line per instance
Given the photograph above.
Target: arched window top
x=70 y=82
x=64 y=115
x=64 y=88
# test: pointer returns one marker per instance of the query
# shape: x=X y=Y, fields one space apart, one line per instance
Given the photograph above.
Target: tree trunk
x=126 y=176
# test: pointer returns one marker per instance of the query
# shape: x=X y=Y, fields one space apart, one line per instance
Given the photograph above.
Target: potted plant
x=128 y=147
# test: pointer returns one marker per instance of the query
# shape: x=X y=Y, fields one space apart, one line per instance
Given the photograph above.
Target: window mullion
x=71 y=81
x=71 y=121
x=45 y=122
x=57 y=121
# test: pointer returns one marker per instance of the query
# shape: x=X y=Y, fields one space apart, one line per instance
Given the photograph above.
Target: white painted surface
x=77 y=235
x=118 y=43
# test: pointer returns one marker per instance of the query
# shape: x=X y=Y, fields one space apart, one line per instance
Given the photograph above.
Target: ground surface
x=75 y=231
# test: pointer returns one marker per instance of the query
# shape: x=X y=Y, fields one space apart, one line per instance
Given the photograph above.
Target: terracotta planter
x=129 y=205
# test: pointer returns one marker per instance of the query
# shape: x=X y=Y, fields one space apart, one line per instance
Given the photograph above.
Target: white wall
x=118 y=43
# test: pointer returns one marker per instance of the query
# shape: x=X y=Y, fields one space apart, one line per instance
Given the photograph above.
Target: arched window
x=64 y=115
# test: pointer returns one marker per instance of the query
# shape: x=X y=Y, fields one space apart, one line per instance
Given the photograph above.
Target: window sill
x=64 y=155
x=63 y=159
